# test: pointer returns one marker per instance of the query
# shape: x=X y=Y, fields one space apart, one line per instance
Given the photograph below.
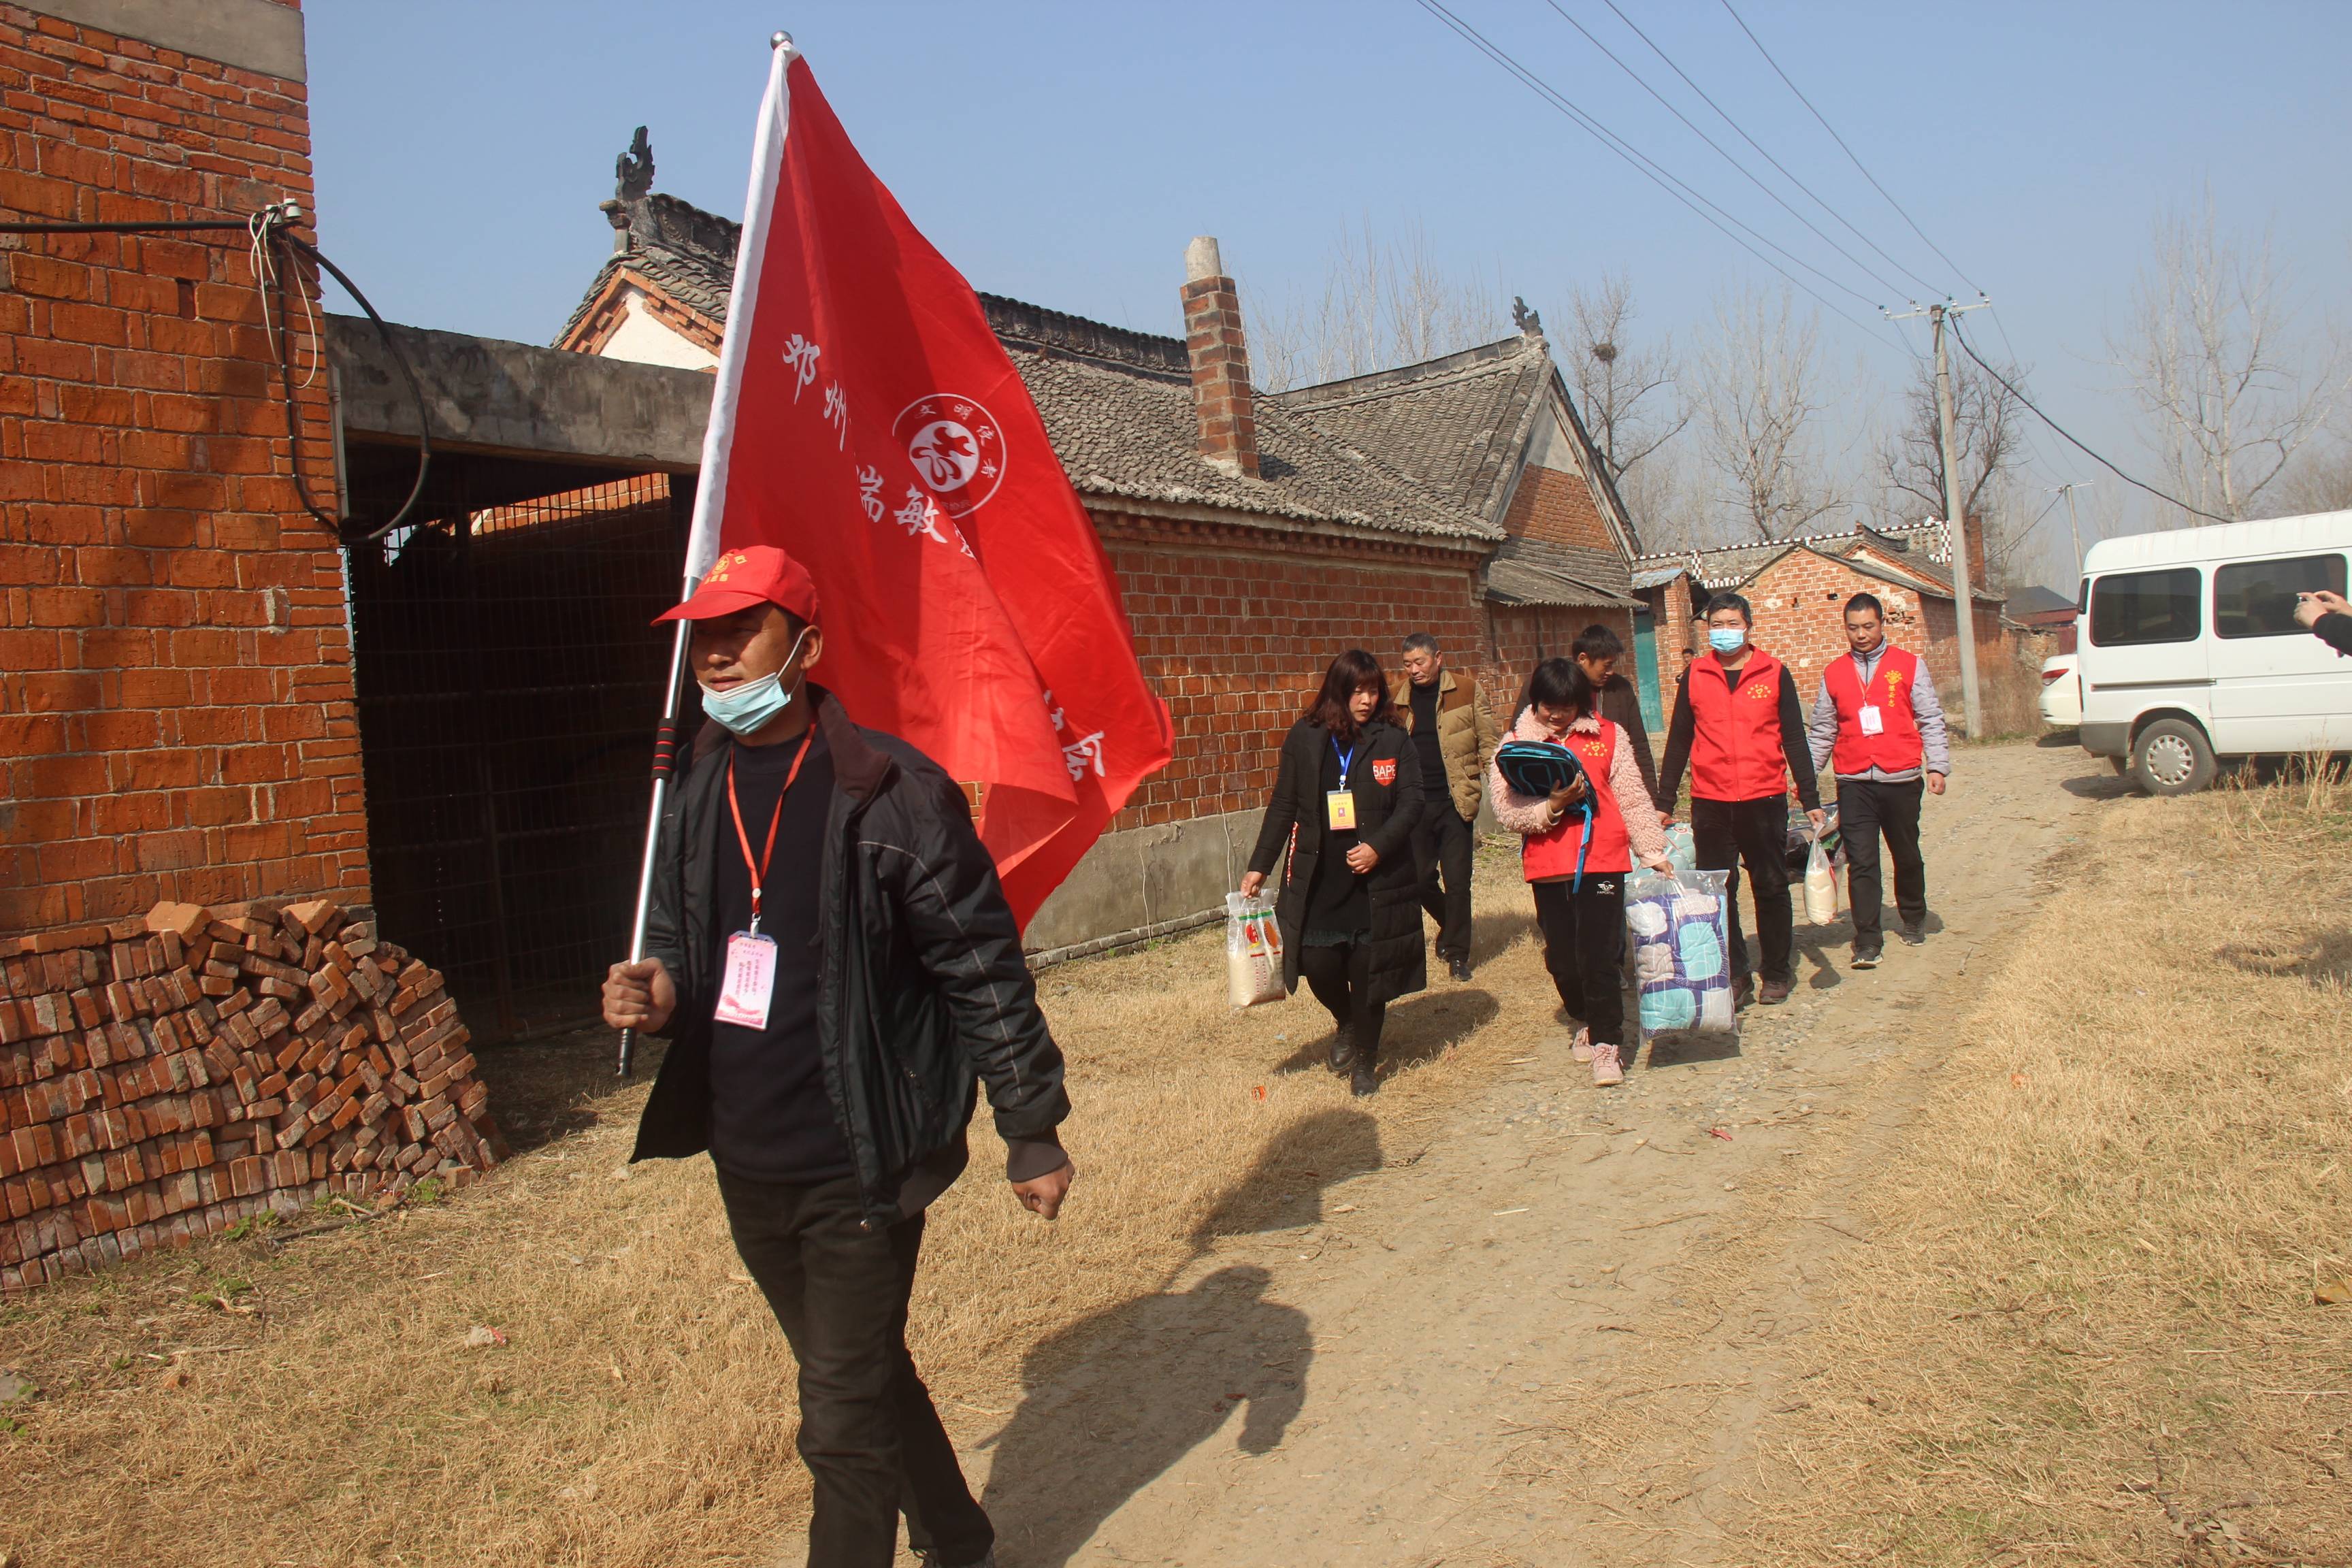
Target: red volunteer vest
x=1897 y=749
x=1550 y=856
x=1736 y=729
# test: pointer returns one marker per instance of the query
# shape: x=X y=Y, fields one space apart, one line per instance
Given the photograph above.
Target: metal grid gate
x=509 y=683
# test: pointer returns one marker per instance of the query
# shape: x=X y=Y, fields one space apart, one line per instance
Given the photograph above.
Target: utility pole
x=2075 y=528
x=1964 y=609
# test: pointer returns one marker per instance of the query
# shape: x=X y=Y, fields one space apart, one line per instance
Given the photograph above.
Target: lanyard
x=1347 y=758
x=760 y=870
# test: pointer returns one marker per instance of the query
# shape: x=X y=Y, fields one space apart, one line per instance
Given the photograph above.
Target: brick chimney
x=1220 y=356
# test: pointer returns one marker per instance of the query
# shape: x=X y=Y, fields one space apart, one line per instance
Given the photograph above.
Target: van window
x=2145 y=608
x=2256 y=598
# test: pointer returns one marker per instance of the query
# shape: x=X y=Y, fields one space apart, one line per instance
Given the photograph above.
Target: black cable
x=270 y=225
x=183 y=225
x=1954 y=322
x=1849 y=152
x=1745 y=172
x=1643 y=165
x=1767 y=156
x=351 y=534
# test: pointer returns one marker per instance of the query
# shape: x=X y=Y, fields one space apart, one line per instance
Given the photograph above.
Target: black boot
x=1365 y=1077
x=1343 y=1049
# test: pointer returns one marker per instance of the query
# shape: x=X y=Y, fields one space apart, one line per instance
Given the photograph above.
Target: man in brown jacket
x=1455 y=737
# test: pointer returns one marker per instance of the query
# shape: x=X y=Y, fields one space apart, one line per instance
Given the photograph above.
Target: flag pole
x=702 y=532
x=664 y=759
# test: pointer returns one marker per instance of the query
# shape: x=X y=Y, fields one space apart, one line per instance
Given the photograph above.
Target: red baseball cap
x=739 y=579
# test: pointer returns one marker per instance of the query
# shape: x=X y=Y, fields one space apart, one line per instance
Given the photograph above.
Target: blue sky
x=1064 y=153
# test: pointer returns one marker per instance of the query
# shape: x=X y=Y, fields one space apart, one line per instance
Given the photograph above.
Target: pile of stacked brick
x=164 y=1079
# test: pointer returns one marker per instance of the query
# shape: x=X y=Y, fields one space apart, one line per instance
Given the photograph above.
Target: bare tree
x=1764 y=397
x=1631 y=396
x=1383 y=302
x=2319 y=480
x=2231 y=391
x=1988 y=433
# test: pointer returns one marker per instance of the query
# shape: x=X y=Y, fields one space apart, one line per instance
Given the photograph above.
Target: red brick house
x=1254 y=536
x=1799 y=588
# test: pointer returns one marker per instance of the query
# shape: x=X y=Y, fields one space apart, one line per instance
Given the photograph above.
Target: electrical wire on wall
x=274 y=248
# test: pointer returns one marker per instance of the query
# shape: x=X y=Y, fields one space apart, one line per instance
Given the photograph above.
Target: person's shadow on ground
x=1113 y=1401
x=1132 y=1390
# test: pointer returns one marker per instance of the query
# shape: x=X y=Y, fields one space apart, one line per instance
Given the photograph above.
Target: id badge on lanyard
x=1339 y=805
x=748 y=982
x=1873 y=722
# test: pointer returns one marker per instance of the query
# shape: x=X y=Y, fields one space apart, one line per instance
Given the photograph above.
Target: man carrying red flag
x=829 y=944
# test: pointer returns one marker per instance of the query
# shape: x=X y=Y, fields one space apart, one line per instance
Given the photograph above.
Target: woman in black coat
x=1338 y=834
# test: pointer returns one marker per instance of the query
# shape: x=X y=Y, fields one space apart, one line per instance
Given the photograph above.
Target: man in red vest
x=1739 y=727
x=1878 y=719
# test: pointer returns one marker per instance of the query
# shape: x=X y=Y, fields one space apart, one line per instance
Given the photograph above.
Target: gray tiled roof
x=1117 y=405
x=1531 y=572
x=1456 y=425
x=1914 y=545
x=688 y=253
x=1125 y=432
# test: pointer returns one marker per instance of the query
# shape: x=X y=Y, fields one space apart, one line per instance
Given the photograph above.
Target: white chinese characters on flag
x=867 y=422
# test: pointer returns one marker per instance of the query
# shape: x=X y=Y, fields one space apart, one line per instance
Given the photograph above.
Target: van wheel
x=2170 y=757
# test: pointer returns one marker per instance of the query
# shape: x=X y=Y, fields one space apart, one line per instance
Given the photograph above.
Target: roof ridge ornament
x=632 y=170
x=1529 y=322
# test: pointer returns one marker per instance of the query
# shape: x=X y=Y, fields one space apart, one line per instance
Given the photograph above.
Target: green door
x=1645 y=663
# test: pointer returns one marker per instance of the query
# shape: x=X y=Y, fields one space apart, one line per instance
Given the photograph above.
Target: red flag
x=867 y=421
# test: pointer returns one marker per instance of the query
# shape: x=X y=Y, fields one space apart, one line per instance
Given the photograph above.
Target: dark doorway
x=509 y=684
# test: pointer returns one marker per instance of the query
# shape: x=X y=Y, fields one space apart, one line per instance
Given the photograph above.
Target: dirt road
x=1536 y=1337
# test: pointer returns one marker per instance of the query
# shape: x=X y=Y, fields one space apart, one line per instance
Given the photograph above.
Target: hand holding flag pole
x=894 y=451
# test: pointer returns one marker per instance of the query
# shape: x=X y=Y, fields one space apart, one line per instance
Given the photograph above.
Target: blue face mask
x=748 y=708
x=1726 y=639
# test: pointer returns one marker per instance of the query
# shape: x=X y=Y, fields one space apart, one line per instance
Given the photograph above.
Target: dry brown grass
x=2087 y=1331
x=318 y=1405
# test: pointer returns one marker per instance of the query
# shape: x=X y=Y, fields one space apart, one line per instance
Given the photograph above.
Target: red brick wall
x=1525 y=634
x=1235 y=626
x=1800 y=604
x=1557 y=509
x=175 y=692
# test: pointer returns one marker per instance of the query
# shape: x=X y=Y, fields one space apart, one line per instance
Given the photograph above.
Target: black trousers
x=1867 y=808
x=1342 y=978
x=1584 y=943
x=1726 y=832
x=872 y=1442
x=1441 y=846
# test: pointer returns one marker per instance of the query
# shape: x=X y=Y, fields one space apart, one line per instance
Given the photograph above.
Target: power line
x=1849 y=152
x=1786 y=174
x=2169 y=501
x=1648 y=167
x=1656 y=172
x=1744 y=171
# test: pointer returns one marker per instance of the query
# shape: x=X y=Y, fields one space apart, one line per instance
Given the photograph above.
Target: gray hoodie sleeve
x=1821 y=728
x=1927 y=713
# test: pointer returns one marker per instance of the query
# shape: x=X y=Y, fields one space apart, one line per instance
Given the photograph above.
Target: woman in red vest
x=1582 y=918
x=1739 y=726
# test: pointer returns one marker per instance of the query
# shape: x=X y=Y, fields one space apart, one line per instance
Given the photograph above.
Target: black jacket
x=2335 y=629
x=923 y=992
x=1385 y=813
x=1621 y=706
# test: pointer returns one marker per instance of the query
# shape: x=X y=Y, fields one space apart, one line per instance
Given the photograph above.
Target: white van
x=2191 y=651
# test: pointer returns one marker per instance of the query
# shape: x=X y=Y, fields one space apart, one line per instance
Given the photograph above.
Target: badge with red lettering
x=749 y=980
x=1384 y=771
